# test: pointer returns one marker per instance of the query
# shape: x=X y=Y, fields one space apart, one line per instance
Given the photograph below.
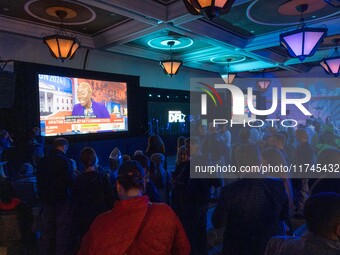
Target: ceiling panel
x=166 y=2
x=197 y=45
x=83 y=19
x=250 y=30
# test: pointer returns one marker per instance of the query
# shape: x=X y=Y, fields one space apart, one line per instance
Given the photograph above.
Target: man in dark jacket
x=195 y=204
x=250 y=209
x=92 y=193
x=55 y=177
x=321 y=212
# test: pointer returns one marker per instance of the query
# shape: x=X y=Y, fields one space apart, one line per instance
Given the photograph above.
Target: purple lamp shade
x=331 y=65
x=303 y=42
x=263 y=85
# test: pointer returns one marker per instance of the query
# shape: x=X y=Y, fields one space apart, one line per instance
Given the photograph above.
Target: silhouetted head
x=180 y=141
x=301 y=135
x=61 y=144
x=244 y=135
x=248 y=155
x=88 y=157
x=322 y=215
x=155 y=144
x=181 y=155
x=115 y=159
x=130 y=179
x=329 y=156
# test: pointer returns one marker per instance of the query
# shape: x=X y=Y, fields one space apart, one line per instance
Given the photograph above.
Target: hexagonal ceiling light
x=332 y=64
x=304 y=41
x=61 y=45
x=171 y=65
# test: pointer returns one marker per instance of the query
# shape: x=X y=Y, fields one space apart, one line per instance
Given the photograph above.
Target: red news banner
x=58 y=125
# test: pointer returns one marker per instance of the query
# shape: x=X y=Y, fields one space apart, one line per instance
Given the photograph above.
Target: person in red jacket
x=135 y=226
x=16 y=222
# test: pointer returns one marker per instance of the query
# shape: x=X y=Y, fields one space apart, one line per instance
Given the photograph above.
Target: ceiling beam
x=142 y=53
x=269 y=54
x=138 y=52
x=178 y=14
x=204 y=66
x=124 y=33
x=204 y=54
x=219 y=36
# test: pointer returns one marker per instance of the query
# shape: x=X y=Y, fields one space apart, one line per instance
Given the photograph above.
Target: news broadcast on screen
x=74 y=105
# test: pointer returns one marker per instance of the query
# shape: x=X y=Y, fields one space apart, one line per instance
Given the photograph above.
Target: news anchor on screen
x=88 y=107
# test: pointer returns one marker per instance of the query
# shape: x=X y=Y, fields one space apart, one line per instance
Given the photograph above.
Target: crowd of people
x=141 y=206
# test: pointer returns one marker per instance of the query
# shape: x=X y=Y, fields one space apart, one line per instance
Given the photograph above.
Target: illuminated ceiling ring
x=72 y=18
x=223 y=60
x=161 y=42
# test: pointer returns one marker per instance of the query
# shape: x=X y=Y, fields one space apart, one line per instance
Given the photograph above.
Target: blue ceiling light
x=161 y=42
x=209 y=8
x=233 y=59
x=304 y=41
x=332 y=64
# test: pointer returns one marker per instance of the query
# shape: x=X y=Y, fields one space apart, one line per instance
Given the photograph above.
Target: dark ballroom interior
x=201 y=127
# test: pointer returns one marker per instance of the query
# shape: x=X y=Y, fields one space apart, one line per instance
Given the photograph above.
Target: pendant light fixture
x=170 y=66
x=304 y=41
x=228 y=77
x=263 y=84
x=61 y=45
x=332 y=64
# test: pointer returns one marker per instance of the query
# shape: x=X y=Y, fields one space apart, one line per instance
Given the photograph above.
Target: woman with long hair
x=156 y=145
